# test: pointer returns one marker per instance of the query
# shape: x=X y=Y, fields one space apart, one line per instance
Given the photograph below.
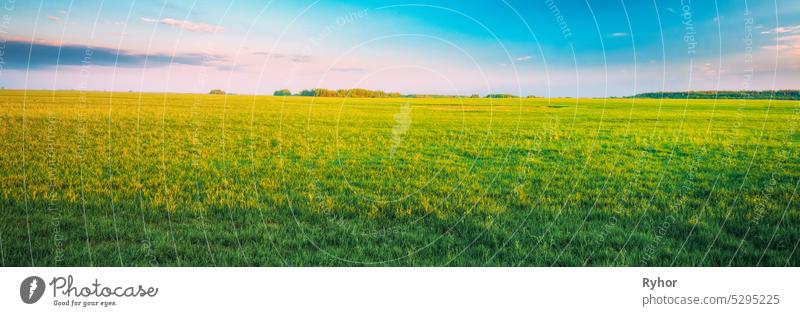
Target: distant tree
x=366 y=93
x=216 y=91
x=500 y=96
x=282 y=93
x=741 y=94
x=348 y=93
x=475 y=96
x=436 y=96
x=306 y=93
x=325 y=93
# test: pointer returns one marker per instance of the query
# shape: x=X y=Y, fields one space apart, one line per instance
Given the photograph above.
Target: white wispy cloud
x=618 y=34
x=186 y=25
x=794 y=29
x=524 y=58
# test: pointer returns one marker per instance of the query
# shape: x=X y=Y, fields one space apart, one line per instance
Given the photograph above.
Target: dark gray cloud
x=27 y=55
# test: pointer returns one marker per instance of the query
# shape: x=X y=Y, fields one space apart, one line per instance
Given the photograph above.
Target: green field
x=129 y=179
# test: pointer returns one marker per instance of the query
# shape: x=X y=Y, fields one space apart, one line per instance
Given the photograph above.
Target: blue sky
x=573 y=48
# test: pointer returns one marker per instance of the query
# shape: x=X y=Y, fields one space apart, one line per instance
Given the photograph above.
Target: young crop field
x=130 y=179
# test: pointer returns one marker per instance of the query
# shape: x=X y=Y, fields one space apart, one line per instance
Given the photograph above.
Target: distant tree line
x=341 y=93
x=366 y=93
x=755 y=95
x=500 y=96
x=416 y=95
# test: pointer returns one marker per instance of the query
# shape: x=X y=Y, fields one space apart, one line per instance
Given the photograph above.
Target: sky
x=551 y=48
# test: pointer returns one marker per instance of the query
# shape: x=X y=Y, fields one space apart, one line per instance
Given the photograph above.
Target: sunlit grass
x=152 y=179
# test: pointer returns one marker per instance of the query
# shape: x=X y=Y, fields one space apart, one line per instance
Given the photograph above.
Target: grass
x=128 y=179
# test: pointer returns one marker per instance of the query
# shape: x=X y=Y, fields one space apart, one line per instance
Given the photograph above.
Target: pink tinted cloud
x=186 y=25
x=34 y=40
x=787 y=45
